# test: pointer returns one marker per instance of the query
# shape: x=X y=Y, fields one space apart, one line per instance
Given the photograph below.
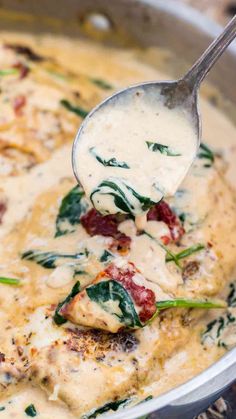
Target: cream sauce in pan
x=67 y=365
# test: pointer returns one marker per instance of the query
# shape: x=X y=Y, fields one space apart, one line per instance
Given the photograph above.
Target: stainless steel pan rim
x=209 y=382
x=189 y=15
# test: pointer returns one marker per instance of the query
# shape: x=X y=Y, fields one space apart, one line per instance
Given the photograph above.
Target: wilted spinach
x=120 y=192
x=106 y=256
x=73 y=205
x=78 y=110
x=206 y=153
x=146 y=399
x=26 y=51
x=106 y=291
x=51 y=260
x=163 y=149
x=232 y=295
x=108 y=406
x=58 y=318
x=214 y=332
x=101 y=83
x=31 y=411
x=110 y=162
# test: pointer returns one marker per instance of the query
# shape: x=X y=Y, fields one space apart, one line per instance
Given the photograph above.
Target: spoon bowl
x=123 y=133
x=177 y=93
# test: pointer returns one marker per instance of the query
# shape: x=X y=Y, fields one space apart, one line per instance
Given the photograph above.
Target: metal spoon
x=180 y=93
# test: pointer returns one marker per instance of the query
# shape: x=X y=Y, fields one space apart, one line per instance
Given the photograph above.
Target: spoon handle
x=203 y=65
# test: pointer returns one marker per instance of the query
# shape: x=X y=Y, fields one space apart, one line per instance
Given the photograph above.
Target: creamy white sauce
x=21 y=193
x=136 y=148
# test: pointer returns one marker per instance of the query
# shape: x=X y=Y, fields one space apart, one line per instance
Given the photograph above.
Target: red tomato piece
x=163 y=212
x=18 y=103
x=143 y=297
x=107 y=226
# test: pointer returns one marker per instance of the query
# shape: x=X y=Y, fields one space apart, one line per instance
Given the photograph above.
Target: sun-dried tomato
x=26 y=51
x=2 y=357
x=18 y=103
x=107 y=226
x=163 y=212
x=165 y=240
x=3 y=208
x=23 y=69
x=142 y=296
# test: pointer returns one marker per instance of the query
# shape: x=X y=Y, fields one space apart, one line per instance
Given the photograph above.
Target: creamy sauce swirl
x=134 y=151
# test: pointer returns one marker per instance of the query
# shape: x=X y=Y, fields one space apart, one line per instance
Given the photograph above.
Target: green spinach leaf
x=106 y=291
x=108 y=406
x=216 y=331
x=51 y=260
x=109 y=163
x=79 y=272
x=206 y=153
x=232 y=295
x=106 y=256
x=182 y=217
x=58 y=318
x=75 y=109
x=163 y=149
x=31 y=411
x=101 y=83
x=73 y=205
x=146 y=399
x=121 y=192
